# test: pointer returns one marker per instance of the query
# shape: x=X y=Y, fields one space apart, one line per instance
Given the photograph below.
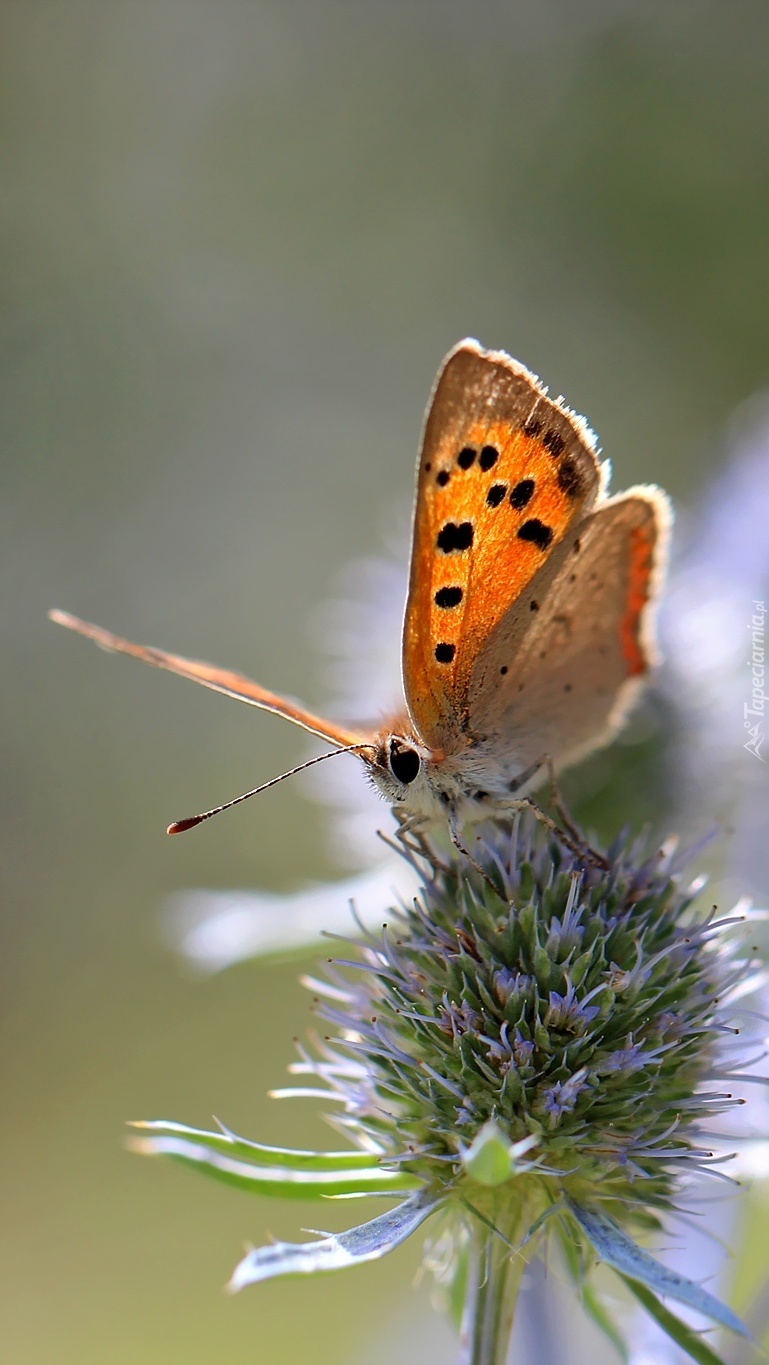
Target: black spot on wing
x=569 y=477
x=444 y=653
x=466 y=457
x=454 y=537
x=448 y=597
x=522 y=494
x=496 y=494
x=442 y=478
x=536 y=532
x=553 y=442
x=489 y=457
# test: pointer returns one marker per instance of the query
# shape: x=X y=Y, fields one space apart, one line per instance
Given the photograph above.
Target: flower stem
x=494 y=1278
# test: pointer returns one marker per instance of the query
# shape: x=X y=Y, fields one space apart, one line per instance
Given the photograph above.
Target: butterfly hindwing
x=504 y=474
x=564 y=685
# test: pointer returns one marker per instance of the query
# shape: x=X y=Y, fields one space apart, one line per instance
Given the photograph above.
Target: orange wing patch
x=504 y=474
x=642 y=547
x=518 y=510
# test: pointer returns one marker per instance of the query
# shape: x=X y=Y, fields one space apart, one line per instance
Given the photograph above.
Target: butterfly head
x=399 y=765
x=424 y=783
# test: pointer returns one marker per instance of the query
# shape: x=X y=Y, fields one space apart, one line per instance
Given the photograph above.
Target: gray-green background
x=237 y=239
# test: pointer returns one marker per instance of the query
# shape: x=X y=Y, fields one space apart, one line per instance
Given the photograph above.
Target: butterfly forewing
x=217 y=679
x=504 y=475
x=563 y=686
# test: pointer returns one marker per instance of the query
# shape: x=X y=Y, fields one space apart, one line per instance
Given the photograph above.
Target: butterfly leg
x=578 y=846
x=460 y=847
x=559 y=806
x=565 y=829
x=413 y=841
x=410 y=834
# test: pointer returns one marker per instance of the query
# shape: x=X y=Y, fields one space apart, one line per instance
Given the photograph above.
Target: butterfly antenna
x=180 y=826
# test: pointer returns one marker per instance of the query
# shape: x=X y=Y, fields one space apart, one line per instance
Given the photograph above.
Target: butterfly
x=528 y=630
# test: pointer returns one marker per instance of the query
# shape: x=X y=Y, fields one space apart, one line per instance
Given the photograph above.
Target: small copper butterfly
x=529 y=627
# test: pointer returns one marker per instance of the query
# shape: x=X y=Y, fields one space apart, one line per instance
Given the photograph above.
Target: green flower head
x=577 y=1009
x=533 y=1048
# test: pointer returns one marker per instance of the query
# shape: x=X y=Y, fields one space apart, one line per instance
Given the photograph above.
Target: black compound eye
x=405 y=762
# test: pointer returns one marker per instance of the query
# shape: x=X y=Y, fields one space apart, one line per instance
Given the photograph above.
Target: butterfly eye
x=405 y=763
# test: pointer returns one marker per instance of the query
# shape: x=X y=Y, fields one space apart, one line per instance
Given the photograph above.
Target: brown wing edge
x=581 y=427
x=217 y=679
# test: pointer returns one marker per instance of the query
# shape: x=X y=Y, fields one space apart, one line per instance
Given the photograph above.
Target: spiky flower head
x=577 y=1009
x=533 y=1046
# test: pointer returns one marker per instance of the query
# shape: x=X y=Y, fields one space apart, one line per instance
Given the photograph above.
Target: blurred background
x=238 y=238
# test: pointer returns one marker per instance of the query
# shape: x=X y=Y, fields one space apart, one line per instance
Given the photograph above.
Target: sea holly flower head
x=533 y=1048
